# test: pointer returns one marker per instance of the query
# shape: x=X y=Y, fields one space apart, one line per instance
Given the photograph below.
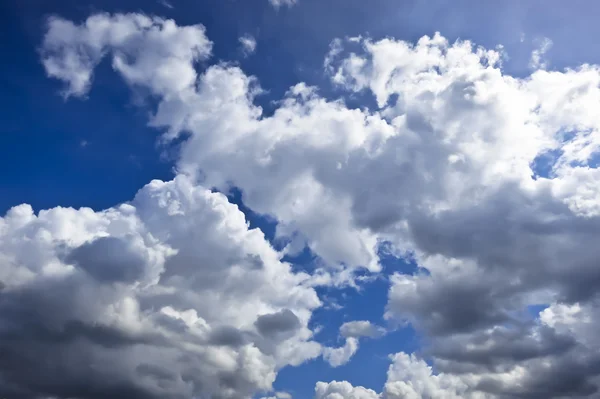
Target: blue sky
x=97 y=150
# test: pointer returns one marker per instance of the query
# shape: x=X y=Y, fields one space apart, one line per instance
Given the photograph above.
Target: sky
x=329 y=199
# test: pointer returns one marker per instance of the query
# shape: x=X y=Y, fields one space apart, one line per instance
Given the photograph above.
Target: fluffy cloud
x=152 y=51
x=168 y=296
x=487 y=181
x=408 y=378
x=494 y=234
x=342 y=390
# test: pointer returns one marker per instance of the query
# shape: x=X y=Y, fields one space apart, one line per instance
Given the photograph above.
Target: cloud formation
x=488 y=182
x=168 y=296
x=164 y=53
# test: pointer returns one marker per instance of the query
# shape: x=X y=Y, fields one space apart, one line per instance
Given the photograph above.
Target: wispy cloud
x=248 y=44
x=538 y=60
x=279 y=3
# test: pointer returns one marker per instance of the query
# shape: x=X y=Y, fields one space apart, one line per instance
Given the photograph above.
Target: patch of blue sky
x=369 y=365
x=543 y=165
x=535 y=310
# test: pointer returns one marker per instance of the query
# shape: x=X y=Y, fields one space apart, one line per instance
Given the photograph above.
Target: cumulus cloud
x=485 y=250
x=164 y=53
x=137 y=301
x=248 y=44
x=342 y=390
x=446 y=171
x=408 y=377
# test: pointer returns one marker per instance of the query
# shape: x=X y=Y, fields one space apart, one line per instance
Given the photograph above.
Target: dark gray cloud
x=498 y=348
x=109 y=259
x=284 y=321
x=568 y=377
x=228 y=336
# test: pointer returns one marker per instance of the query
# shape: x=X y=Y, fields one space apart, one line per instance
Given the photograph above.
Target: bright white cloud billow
x=446 y=171
x=164 y=52
x=408 y=378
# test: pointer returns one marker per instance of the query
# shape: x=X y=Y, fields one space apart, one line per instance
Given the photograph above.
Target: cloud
x=408 y=378
x=109 y=259
x=248 y=44
x=537 y=56
x=357 y=329
x=342 y=390
x=165 y=3
x=280 y=3
x=70 y=52
x=135 y=301
x=339 y=356
x=444 y=170
x=281 y=322
x=351 y=332
x=280 y=395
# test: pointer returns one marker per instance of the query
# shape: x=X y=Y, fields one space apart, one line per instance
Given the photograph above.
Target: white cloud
x=445 y=170
x=412 y=378
x=339 y=356
x=351 y=332
x=248 y=44
x=342 y=390
x=537 y=60
x=408 y=378
x=163 y=52
x=361 y=328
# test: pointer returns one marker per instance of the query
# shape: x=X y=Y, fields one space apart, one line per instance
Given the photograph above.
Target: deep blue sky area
x=98 y=151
